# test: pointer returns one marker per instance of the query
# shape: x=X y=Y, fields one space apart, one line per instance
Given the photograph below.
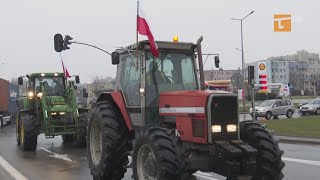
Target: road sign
x=237 y=80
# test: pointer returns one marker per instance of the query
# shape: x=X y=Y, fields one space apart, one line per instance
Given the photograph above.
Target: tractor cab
x=142 y=82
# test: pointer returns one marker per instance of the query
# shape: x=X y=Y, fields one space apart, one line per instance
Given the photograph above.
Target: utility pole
x=242 y=55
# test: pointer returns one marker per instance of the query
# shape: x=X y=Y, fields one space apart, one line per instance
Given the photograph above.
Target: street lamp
x=242 y=52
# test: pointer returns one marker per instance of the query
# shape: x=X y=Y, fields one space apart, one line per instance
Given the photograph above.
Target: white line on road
x=11 y=170
x=303 y=161
x=57 y=156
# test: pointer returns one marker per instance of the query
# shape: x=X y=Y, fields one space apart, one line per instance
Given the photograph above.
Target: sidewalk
x=302 y=140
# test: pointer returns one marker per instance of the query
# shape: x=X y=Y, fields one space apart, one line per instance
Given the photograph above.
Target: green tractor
x=50 y=108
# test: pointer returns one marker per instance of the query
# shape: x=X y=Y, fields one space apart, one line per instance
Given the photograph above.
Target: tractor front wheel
x=29 y=131
x=268 y=162
x=108 y=147
x=18 y=121
x=83 y=123
x=156 y=155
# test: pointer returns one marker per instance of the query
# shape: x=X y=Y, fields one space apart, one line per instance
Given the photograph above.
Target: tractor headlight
x=216 y=128
x=39 y=95
x=231 y=128
x=62 y=113
x=53 y=113
x=30 y=95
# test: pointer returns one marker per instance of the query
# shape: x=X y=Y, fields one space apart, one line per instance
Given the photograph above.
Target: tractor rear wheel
x=108 y=147
x=83 y=123
x=29 y=131
x=268 y=162
x=156 y=156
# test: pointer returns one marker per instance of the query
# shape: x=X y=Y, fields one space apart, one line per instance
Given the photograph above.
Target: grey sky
x=27 y=29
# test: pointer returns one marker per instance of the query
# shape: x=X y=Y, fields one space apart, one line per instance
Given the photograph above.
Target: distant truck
x=8 y=95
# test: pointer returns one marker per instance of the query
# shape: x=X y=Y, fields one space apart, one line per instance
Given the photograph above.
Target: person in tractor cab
x=160 y=77
x=47 y=87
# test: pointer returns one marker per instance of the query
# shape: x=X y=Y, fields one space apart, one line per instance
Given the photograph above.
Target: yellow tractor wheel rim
x=22 y=133
x=17 y=126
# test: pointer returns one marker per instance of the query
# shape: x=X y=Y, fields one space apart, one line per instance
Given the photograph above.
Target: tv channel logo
x=282 y=22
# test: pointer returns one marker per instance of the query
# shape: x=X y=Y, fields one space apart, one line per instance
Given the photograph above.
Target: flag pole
x=137 y=36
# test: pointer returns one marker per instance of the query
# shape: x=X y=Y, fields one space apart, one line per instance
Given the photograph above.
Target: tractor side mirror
x=77 y=79
x=20 y=80
x=58 y=42
x=84 y=92
x=216 y=61
x=115 y=58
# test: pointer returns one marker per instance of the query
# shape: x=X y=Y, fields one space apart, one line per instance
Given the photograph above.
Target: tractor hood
x=56 y=100
x=187 y=99
x=57 y=103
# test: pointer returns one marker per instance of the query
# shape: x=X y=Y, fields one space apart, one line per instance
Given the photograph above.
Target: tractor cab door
x=170 y=72
x=129 y=78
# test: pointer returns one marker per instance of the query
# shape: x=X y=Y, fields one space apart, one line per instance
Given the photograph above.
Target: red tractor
x=161 y=114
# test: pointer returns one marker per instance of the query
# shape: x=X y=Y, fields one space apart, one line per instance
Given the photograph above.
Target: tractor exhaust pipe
x=202 y=85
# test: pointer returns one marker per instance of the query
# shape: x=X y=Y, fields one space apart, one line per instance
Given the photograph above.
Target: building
x=213 y=75
x=300 y=70
x=96 y=88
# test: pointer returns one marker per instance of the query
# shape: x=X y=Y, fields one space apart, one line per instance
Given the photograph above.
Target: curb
x=296 y=140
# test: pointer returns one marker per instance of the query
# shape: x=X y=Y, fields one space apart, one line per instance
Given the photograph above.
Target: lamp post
x=242 y=53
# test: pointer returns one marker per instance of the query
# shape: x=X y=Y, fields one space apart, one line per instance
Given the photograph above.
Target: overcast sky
x=27 y=29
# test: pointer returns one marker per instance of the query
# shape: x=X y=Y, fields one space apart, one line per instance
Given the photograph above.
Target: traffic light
x=67 y=42
x=251 y=75
x=58 y=42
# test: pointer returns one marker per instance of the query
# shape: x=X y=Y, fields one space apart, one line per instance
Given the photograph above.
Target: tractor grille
x=198 y=128
x=224 y=111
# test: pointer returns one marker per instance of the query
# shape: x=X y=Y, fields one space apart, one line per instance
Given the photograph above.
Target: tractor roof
x=162 y=45
x=55 y=74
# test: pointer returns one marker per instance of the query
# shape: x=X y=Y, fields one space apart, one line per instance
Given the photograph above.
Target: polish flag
x=144 y=29
x=65 y=71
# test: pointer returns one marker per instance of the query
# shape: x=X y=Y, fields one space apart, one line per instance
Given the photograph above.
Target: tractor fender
x=117 y=98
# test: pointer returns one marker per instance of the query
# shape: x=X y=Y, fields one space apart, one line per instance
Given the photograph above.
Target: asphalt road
x=54 y=160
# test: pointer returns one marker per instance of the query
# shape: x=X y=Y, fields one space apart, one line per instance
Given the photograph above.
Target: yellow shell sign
x=262 y=66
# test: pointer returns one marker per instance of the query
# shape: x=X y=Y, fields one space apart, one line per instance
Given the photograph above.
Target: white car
x=312 y=107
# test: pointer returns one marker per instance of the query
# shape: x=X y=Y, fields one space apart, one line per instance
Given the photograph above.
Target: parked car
x=312 y=107
x=301 y=104
x=273 y=108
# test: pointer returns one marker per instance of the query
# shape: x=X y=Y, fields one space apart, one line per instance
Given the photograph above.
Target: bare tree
x=296 y=79
x=100 y=79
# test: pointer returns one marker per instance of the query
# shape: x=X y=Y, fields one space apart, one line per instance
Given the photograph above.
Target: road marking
x=303 y=161
x=11 y=170
x=57 y=156
x=204 y=175
x=198 y=173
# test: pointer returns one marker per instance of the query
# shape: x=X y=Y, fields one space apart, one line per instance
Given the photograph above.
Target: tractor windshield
x=171 y=72
x=54 y=86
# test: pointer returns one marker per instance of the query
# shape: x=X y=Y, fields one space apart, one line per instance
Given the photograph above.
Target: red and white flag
x=65 y=70
x=144 y=29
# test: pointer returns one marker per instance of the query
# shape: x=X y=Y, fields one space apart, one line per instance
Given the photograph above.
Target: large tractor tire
x=18 y=120
x=157 y=155
x=269 y=164
x=107 y=139
x=82 y=137
x=29 y=131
